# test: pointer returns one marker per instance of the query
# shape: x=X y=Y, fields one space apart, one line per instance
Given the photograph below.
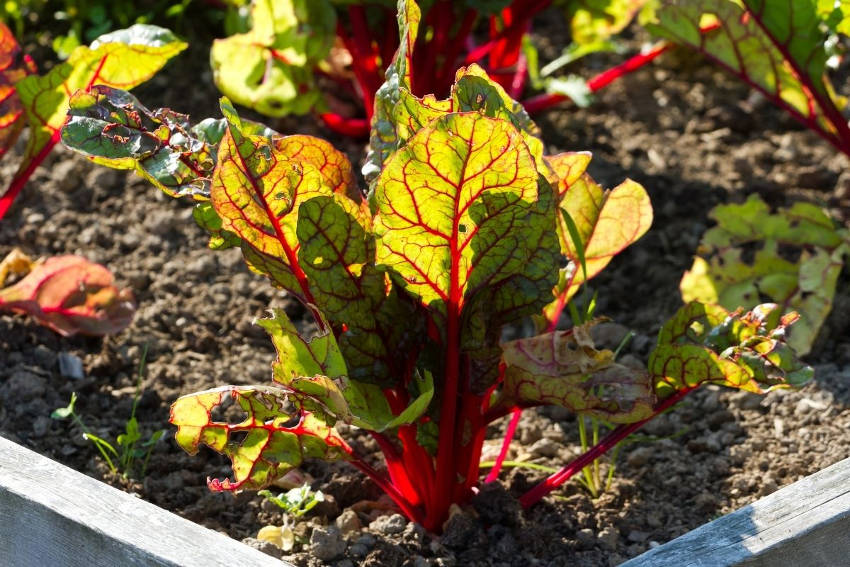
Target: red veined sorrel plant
x=463 y=232
x=123 y=59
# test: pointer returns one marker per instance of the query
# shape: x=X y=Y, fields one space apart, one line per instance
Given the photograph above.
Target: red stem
x=360 y=55
x=352 y=127
x=446 y=75
x=21 y=179
x=609 y=442
x=506 y=443
x=544 y=101
x=409 y=510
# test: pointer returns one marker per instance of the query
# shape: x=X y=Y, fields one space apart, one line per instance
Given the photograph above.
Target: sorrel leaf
x=707 y=344
x=122 y=59
x=70 y=295
x=270 y=68
x=14 y=66
x=456 y=210
x=270 y=447
x=606 y=222
x=313 y=371
x=797 y=262
x=777 y=47
x=564 y=368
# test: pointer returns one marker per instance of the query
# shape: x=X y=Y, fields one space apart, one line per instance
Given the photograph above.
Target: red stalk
x=609 y=442
x=359 y=62
x=398 y=469
x=21 y=179
x=409 y=510
x=447 y=73
x=353 y=127
x=506 y=443
x=542 y=102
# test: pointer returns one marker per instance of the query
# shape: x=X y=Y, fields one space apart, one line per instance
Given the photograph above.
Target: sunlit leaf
x=704 y=344
x=797 y=260
x=270 y=68
x=14 y=66
x=264 y=445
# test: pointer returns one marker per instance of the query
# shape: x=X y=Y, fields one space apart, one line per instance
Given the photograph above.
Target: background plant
x=125 y=58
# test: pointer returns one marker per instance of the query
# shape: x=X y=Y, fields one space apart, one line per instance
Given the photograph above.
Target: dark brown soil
x=690 y=135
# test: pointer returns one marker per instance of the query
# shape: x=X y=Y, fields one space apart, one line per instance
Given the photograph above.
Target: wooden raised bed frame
x=53 y=515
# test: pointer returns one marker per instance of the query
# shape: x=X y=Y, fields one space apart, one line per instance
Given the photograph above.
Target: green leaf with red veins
x=567 y=168
x=314 y=369
x=71 y=295
x=474 y=90
x=607 y=222
x=269 y=446
x=457 y=211
x=777 y=47
x=337 y=253
x=384 y=137
x=721 y=274
x=14 y=66
x=707 y=344
x=563 y=368
x=271 y=67
x=257 y=190
x=121 y=59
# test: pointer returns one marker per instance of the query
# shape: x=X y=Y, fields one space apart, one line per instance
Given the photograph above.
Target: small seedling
x=294 y=503
x=125 y=462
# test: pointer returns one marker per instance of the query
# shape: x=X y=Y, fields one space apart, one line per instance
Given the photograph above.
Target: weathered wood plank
x=805 y=523
x=53 y=515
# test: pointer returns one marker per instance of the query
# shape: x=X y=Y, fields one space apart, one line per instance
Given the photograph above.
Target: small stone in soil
x=637 y=536
x=388 y=525
x=586 y=538
x=544 y=448
x=266 y=547
x=326 y=543
x=609 y=538
x=70 y=366
x=460 y=531
x=358 y=551
x=348 y=522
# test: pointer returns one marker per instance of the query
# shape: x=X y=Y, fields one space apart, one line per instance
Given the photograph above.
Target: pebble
x=40 y=426
x=544 y=448
x=326 y=543
x=637 y=536
x=609 y=538
x=71 y=366
x=266 y=547
x=388 y=525
x=25 y=386
x=639 y=456
x=358 y=550
x=419 y=561
x=348 y=522
x=586 y=537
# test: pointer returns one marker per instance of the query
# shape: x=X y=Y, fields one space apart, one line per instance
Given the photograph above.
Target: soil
x=691 y=135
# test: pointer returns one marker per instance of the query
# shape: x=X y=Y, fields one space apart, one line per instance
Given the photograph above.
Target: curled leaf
x=797 y=261
x=121 y=59
x=263 y=446
x=707 y=344
x=71 y=295
x=563 y=368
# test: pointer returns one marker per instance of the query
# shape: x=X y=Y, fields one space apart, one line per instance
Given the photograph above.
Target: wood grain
x=803 y=524
x=53 y=515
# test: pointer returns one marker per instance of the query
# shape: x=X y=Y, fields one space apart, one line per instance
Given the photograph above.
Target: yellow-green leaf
x=797 y=260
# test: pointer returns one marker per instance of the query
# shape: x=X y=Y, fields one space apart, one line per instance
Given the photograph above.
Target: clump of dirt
x=690 y=135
